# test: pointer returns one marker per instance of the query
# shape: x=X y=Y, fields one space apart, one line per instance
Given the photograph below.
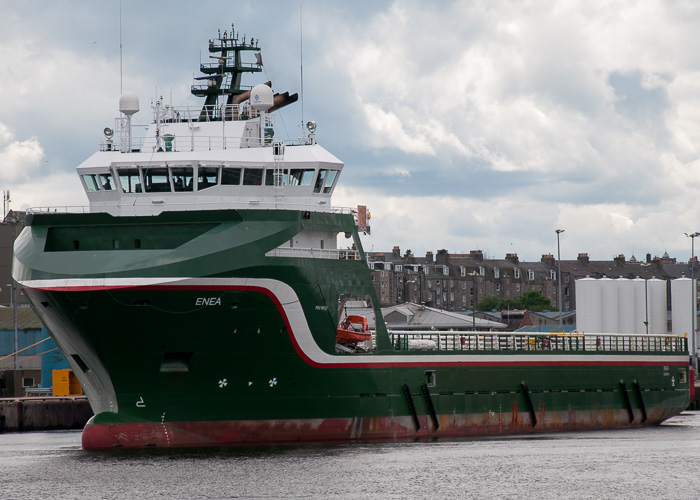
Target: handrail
x=518 y=342
x=201 y=143
x=187 y=206
x=317 y=253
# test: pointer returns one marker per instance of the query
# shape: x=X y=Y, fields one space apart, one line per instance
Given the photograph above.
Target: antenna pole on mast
x=121 y=63
x=301 y=69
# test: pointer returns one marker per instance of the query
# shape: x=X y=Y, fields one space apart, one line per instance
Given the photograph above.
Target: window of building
x=482 y=271
x=498 y=287
x=531 y=275
x=516 y=273
x=496 y=273
x=517 y=286
x=552 y=274
x=462 y=271
x=445 y=270
x=399 y=268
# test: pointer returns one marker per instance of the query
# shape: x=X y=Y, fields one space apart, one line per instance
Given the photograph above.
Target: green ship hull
x=187 y=329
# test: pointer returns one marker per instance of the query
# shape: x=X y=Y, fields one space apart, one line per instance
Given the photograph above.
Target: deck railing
x=188 y=206
x=315 y=253
x=515 y=342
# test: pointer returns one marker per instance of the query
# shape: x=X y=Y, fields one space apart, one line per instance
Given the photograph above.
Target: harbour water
x=657 y=462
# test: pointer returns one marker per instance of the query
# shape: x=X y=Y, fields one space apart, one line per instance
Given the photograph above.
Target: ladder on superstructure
x=278 y=170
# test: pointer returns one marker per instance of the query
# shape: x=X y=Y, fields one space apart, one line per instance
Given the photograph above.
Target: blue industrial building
x=38 y=354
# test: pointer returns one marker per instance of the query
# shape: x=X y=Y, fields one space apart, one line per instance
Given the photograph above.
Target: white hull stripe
x=301 y=336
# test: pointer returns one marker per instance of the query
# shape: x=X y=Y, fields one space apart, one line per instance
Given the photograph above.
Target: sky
x=463 y=125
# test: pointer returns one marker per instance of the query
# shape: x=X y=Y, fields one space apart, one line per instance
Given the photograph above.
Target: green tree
x=490 y=303
x=533 y=300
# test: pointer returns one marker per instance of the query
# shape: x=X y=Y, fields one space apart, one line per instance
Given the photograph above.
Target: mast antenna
x=121 y=64
x=301 y=69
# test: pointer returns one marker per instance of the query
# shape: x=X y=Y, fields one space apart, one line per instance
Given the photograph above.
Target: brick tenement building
x=457 y=282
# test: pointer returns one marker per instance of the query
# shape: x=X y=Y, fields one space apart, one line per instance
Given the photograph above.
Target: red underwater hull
x=297 y=431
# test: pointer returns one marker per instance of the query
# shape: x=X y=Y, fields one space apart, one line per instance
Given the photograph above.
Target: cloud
x=20 y=160
x=53 y=189
x=462 y=124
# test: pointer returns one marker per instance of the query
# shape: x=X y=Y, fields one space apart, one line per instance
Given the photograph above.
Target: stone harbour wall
x=44 y=413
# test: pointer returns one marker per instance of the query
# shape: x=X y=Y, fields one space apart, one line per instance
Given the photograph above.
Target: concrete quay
x=44 y=413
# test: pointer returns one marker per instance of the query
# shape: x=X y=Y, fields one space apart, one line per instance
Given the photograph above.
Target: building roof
x=421 y=317
x=26 y=319
x=555 y=314
x=547 y=328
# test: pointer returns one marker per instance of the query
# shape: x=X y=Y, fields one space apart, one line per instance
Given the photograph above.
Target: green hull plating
x=187 y=329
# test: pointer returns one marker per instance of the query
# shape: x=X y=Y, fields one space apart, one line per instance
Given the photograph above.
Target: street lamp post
x=646 y=297
x=473 y=275
x=13 y=300
x=693 y=354
x=561 y=322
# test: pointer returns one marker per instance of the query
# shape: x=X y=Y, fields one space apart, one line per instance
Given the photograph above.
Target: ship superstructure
x=208 y=296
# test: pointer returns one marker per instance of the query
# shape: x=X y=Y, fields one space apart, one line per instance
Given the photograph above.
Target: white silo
x=626 y=305
x=588 y=304
x=681 y=306
x=657 y=306
x=641 y=305
x=609 y=306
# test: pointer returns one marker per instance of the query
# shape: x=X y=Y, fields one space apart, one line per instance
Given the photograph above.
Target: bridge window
x=182 y=178
x=156 y=180
x=106 y=182
x=320 y=180
x=270 y=177
x=332 y=174
x=130 y=180
x=301 y=176
x=207 y=177
x=231 y=176
x=252 y=177
x=90 y=181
